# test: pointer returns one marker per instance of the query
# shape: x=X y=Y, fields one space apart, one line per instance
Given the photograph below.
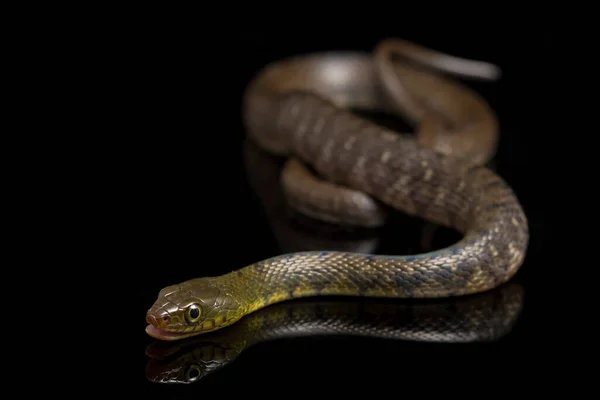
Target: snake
x=482 y=319
x=346 y=169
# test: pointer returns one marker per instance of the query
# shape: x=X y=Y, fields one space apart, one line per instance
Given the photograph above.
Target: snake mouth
x=166 y=335
x=153 y=329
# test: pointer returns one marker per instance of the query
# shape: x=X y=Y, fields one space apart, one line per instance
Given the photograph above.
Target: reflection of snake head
x=194 y=365
x=193 y=307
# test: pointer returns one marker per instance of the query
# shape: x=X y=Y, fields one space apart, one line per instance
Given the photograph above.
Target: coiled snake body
x=299 y=107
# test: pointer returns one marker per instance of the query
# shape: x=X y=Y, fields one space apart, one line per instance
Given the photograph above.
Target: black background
x=189 y=210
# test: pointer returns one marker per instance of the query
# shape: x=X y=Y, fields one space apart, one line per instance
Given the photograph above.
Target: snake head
x=191 y=308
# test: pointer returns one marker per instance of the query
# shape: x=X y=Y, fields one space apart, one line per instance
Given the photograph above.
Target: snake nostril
x=151 y=319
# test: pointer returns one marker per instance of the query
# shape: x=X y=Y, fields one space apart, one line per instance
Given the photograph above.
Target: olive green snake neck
x=343 y=169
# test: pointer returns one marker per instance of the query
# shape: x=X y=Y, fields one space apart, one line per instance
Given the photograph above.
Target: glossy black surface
x=196 y=213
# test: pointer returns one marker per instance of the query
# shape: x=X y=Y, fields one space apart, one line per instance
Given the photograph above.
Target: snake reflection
x=484 y=317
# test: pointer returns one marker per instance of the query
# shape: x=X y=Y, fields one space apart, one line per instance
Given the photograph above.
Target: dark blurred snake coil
x=346 y=170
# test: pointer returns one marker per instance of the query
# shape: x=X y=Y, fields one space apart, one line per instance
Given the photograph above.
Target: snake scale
x=345 y=169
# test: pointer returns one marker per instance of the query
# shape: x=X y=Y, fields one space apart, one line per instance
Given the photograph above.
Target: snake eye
x=193 y=313
x=193 y=372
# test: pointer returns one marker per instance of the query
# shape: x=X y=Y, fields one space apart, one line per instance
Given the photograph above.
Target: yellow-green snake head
x=191 y=308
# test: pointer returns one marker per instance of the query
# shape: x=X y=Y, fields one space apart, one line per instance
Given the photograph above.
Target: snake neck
x=335 y=273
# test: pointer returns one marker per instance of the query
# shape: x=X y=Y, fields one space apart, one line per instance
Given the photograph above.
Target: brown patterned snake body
x=299 y=107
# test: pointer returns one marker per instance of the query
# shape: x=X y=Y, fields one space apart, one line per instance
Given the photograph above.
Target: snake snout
x=156 y=319
x=151 y=319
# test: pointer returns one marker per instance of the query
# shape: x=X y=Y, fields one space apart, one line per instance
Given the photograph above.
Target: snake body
x=345 y=169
